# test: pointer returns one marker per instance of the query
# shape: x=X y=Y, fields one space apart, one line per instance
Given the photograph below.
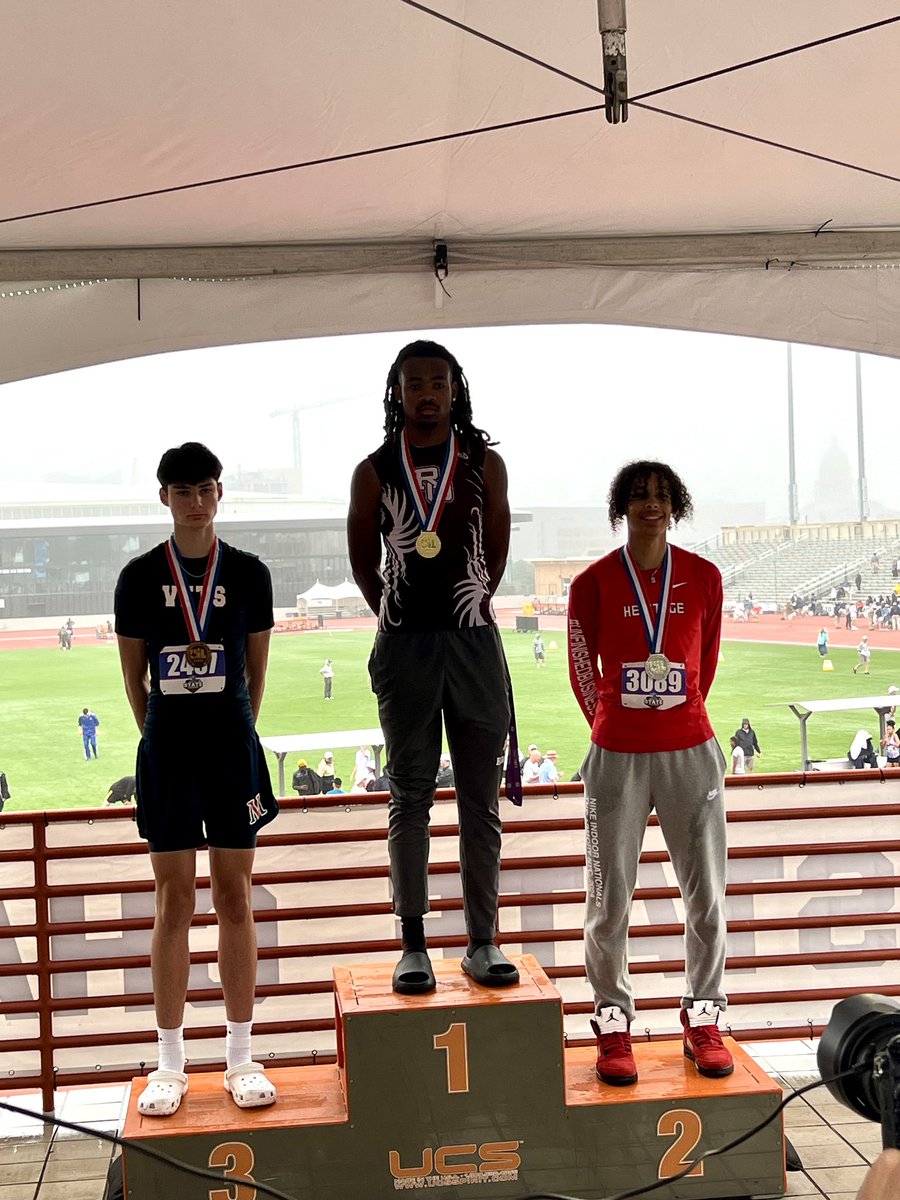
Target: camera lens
x=860 y=1027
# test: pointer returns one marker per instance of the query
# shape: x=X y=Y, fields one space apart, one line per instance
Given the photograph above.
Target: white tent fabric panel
x=106 y=100
x=852 y=309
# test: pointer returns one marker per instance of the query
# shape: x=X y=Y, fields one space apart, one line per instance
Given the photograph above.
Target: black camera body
x=863 y=1037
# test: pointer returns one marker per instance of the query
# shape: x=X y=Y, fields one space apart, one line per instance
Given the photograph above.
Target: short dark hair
x=632 y=475
x=337 y=781
x=188 y=463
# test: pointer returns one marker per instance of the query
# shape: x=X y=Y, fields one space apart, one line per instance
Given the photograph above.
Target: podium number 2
x=687 y=1126
x=234 y=1158
x=453 y=1040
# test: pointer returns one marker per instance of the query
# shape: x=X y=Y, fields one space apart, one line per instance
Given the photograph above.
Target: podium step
x=467 y=1085
x=306 y=1096
x=663 y=1074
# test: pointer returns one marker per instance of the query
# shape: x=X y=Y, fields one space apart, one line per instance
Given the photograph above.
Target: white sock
x=237 y=1043
x=611 y=1019
x=171 y=1048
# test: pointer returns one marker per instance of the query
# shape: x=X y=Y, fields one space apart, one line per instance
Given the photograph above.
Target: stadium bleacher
x=773 y=571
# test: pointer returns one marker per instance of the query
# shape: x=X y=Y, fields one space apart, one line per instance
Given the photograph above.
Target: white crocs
x=162 y=1095
x=249 y=1086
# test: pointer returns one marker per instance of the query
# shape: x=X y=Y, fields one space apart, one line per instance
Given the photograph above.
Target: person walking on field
x=327 y=673
x=538 y=647
x=749 y=743
x=89 y=723
x=865 y=655
x=193 y=621
x=435 y=493
x=651 y=613
x=822 y=643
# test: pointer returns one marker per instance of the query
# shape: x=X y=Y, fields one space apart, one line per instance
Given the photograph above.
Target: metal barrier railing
x=53 y=979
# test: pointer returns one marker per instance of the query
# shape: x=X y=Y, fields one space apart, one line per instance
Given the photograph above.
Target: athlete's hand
x=883 y=1179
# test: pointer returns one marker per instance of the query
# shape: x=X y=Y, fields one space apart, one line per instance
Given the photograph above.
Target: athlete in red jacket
x=644 y=625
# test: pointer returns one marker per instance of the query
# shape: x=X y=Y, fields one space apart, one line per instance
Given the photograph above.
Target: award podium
x=467 y=1090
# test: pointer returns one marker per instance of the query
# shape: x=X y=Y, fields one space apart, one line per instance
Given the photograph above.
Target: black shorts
x=202 y=787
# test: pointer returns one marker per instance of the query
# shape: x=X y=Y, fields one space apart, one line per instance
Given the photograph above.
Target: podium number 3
x=453 y=1041
x=687 y=1126
x=234 y=1158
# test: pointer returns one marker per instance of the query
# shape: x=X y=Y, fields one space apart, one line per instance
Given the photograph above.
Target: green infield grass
x=44 y=691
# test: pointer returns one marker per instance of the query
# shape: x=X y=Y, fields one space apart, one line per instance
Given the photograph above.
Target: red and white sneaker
x=615 y=1061
x=702 y=1041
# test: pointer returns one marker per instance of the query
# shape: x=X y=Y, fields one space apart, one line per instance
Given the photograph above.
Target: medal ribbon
x=654 y=631
x=196 y=612
x=429 y=515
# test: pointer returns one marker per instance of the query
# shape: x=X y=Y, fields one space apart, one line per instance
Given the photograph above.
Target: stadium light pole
x=861 y=446
x=793 y=506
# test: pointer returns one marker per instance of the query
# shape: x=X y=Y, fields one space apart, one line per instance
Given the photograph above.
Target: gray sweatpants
x=418 y=677
x=686 y=787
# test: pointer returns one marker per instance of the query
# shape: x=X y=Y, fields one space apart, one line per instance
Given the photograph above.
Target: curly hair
x=460 y=410
x=635 y=475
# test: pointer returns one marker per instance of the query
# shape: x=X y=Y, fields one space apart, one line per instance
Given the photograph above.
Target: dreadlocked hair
x=470 y=435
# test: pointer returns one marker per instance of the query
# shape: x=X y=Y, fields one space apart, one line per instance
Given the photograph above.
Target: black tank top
x=452 y=590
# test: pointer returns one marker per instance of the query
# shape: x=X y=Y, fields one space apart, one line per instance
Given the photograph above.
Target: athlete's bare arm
x=883 y=1179
x=135 y=670
x=256 y=660
x=363 y=537
x=496 y=517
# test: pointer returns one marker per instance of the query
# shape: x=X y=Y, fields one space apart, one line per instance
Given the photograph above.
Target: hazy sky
x=568 y=405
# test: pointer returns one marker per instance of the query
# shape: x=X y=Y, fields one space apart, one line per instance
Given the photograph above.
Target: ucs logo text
x=492 y=1156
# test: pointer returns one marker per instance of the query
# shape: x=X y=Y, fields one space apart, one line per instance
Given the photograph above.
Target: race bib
x=639 y=690
x=178 y=678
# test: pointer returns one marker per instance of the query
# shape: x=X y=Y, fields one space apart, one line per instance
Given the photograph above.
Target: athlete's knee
x=174 y=903
x=232 y=904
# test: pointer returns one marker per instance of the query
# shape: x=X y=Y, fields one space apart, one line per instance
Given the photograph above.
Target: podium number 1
x=453 y=1040
x=688 y=1128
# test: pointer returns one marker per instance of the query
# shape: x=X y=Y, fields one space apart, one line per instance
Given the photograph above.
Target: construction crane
x=294 y=413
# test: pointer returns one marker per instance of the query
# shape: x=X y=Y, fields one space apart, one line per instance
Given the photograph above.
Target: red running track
x=802 y=631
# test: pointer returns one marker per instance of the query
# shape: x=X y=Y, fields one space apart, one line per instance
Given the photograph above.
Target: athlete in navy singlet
x=193 y=620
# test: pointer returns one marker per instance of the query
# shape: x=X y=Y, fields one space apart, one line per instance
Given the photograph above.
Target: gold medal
x=198 y=655
x=428 y=545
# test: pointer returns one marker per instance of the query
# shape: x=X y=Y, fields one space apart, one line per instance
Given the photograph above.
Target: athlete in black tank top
x=451 y=590
x=435 y=495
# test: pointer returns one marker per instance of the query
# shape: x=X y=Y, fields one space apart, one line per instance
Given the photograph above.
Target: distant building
x=62 y=548
x=61 y=555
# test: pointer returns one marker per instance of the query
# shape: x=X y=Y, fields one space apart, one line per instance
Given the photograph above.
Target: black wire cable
x=140 y=1148
x=203 y=1173
x=523 y=122
x=753 y=137
x=715 y=1151
x=764 y=58
x=638 y=101
x=299 y=166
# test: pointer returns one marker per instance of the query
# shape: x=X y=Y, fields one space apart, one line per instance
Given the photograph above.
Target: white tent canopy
x=322 y=596
x=112 y=114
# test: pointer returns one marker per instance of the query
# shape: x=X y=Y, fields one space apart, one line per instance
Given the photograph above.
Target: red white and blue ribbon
x=429 y=514
x=196 y=611
x=653 y=629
